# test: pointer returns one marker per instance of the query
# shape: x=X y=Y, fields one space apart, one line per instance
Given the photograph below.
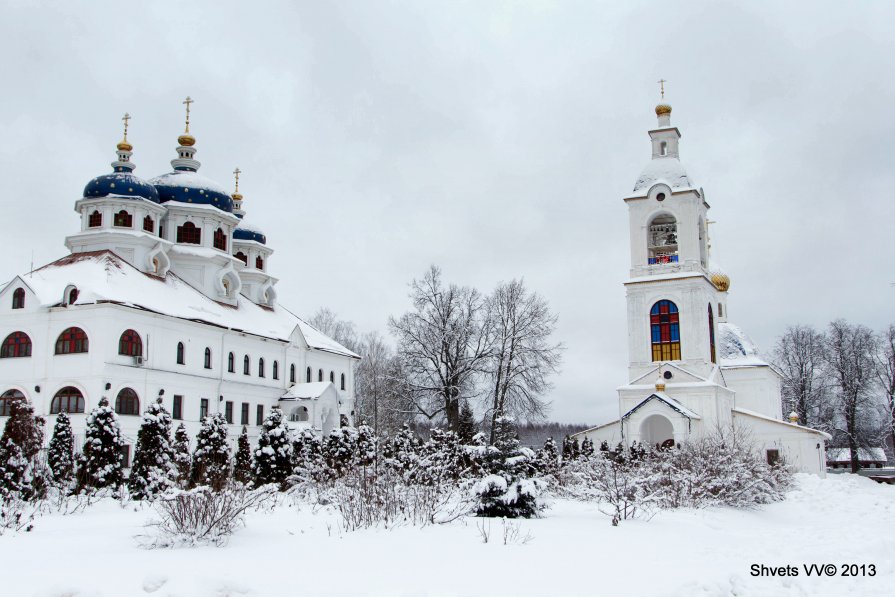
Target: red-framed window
x=242 y=257
x=148 y=224
x=127 y=402
x=123 y=219
x=188 y=233
x=95 y=220
x=6 y=400
x=18 y=298
x=17 y=344
x=129 y=344
x=67 y=400
x=72 y=340
x=665 y=330
x=259 y=262
x=220 y=239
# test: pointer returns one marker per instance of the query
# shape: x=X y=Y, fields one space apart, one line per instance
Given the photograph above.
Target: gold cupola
x=720 y=280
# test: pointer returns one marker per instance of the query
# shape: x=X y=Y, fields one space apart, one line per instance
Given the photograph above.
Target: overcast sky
x=495 y=139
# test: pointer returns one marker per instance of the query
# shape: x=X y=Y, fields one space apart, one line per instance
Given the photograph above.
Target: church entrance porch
x=657 y=431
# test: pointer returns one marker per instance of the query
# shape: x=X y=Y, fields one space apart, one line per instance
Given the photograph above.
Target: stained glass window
x=666 y=331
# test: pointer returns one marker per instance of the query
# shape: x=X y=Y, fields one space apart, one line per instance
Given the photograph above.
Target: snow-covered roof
x=306 y=391
x=736 y=349
x=668 y=170
x=102 y=276
x=864 y=454
x=669 y=401
x=757 y=415
x=589 y=429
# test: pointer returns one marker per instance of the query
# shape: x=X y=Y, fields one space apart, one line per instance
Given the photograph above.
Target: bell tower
x=672 y=300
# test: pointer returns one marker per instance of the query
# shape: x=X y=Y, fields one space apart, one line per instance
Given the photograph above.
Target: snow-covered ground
x=573 y=551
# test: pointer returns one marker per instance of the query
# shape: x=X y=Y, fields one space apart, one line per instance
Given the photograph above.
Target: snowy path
x=575 y=551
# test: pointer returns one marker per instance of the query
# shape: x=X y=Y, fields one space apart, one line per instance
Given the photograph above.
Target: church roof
x=668 y=170
x=121 y=184
x=187 y=186
x=669 y=401
x=306 y=391
x=756 y=415
x=103 y=277
x=736 y=349
x=244 y=231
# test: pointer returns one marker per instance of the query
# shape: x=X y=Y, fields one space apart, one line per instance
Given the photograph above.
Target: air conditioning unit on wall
x=138 y=360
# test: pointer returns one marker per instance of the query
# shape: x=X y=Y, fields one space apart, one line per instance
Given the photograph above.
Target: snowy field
x=573 y=550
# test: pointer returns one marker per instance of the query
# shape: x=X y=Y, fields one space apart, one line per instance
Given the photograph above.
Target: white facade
x=212 y=337
x=690 y=372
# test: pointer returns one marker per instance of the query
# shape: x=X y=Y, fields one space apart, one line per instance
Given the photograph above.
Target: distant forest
x=532 y=435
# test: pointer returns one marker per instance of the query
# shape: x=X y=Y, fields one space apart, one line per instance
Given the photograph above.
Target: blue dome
x=187 y=186
x=121 y=184
x=243 y=232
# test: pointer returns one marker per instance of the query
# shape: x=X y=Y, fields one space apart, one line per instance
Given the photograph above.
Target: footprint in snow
x=151 y=584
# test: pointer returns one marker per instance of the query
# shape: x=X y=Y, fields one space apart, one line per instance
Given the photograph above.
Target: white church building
x=166 y=293
x=690 y=371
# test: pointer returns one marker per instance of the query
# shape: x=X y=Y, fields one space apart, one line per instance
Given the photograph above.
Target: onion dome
x=719 y=279
x=184 y=184
x=663 y=109
x=122 y=182
x=245 y=231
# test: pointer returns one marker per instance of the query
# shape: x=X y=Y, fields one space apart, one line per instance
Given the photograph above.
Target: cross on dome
x=661 y=83
x=187 y=103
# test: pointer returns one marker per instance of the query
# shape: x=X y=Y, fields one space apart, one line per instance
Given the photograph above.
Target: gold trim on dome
x=663 y=109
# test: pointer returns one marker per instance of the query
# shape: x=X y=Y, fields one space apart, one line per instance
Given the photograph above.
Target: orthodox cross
x=661 y=83
x=125 y=118
x=236 y=173
x=187 y=102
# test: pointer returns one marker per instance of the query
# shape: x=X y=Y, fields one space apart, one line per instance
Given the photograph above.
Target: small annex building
x=690 y=370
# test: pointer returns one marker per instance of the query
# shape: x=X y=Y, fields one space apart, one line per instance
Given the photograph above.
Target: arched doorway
x=656 y=431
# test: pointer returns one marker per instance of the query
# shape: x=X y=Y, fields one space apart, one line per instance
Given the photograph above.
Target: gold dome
x=186 y=139
x=663 y=109
x=123 y=145
x=720 y=280
x=237 y=196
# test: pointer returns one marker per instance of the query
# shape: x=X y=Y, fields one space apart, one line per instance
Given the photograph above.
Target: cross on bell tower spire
x=661 y=83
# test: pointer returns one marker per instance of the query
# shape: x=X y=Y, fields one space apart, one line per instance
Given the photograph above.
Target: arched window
x=292 y=373
x=308 y=375
x=665 y=331
x=242 y=257
x=71 y=341
x=332 y=377
x=6 y=400
x=180 y=356
x=73 y=296
x=123 y=219
x=712 y=333
x=207 y=358
x=320 y=375
x=246 y=366
x=663 y=148
x=299 y=413
x=276 y=370
x=720 y=310
x=259 y=262
x=95 y=220
x=188 y=233
x=343 y=381
x=127 y=402
x=148 y=224
x=231 y=366
x=17 y=344
x=130 y=344
x=261 y=367
x=662 y=240
x=220 y=239
x=67 y=400
x=18 y=298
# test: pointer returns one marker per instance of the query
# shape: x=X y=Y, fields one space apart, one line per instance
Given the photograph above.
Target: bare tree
x=443 y=344
x=340 y=330
x=885 y=372
x=381 y=392
x=522 y=357
x=800 y=357
x=850 y=358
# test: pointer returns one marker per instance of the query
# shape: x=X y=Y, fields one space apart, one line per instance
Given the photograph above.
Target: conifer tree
x=308 y=463
x=211 y=460
x=99 y=464
x=242 y=463
x=441 y=458
x=507 y=491
x=466 y=427
x=587 y=448
x=21 y=441
x=339 y=450
x=365 y=453
x=61 y=452
x=154 y=471
x=567 y=449
x=273 y=457
x=180 y=449
x=402 y=454
x=548 y=458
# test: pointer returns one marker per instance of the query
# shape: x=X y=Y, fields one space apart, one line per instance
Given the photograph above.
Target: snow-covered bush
x=61 y=452
x=204 y=515
x=19 y=445
x=401 y=454
x=99 y=464
x=242 y=462
x=154 y=471
x=273 y=456
x=547 y=460
x=339 y=449
x=517 y=498
x=180 y=448
x=211 y=460
x=308 y=463
x=441 y=459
